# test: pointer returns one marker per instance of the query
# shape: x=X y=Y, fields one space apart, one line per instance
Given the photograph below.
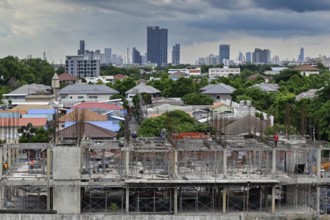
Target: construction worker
x=31 y=163
x=5 y=166
x=275 y=139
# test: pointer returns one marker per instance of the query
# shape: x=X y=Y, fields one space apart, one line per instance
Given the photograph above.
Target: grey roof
x=218 y=89
x=87 y=89
x=310 y=94
x=142 y=88
x=32 y=89
x=268 y=87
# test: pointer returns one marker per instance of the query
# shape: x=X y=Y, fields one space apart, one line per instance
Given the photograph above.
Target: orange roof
x=22 y=109
x=83 y=115
x=18 y=122
x=67 y=77
x=306 y=67
x=217 y=104
x=194 y=71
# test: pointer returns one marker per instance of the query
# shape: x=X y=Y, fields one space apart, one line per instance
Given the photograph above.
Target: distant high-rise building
x=136 y=56
x=157 y=45
x=248 y=57
x=79 y=66
x=176 y=55
x=107 y=55
x=81 y=50
x=301 y=56
x=261 y=56
x=224 y=52
x=240 y=56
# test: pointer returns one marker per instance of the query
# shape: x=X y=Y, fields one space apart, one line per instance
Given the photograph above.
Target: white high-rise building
x=80 y=66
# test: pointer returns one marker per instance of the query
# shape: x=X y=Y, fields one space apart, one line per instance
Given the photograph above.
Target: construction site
x=221 y=176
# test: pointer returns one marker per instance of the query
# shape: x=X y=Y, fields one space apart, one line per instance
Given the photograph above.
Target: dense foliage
x=174 y=121
x=197 y=99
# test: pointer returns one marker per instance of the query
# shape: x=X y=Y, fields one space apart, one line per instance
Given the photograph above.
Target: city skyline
x=31 y=28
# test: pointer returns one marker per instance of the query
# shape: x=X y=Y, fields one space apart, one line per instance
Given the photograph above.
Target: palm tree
x=27 y=131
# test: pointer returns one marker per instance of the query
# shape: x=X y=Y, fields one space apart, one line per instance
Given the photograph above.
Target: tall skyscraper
x=301 y=56
x=248 y=57
x=224 y=52
x=81 y=50
x=240 y=56
x=107 y=55
x=176 y=55
x=157 y=45
x=136 y=56
x=261 y=56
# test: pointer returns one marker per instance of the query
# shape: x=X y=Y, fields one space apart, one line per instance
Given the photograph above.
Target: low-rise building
x=218 y=91
x=86 y=93
x=223 y=72
x=307 y=70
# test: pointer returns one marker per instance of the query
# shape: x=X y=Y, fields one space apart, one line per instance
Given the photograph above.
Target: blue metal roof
x=9 y=115
x=41 y=111
x=109 y=125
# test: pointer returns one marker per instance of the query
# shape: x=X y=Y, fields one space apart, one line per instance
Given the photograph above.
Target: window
x=80 y=97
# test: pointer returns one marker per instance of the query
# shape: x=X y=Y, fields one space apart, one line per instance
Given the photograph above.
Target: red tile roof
x=67 y=77
x=306 y=67
x=82 y=115
x=119 y=76
x=18 y=122
x=101 y=105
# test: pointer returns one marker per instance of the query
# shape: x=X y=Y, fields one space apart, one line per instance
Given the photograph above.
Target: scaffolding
x=151 y=175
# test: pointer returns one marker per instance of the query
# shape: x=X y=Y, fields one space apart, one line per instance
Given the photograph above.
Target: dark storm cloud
x=289 y=5
x=294 y=5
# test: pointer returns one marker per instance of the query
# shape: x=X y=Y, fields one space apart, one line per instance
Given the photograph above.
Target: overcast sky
x=30 y=27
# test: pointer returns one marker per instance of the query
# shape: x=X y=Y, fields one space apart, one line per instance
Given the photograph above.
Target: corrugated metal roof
x=101 y=105
x=142 y=88
x=83 y=115
x=31 y=89
x=50 y=111
x=108 y=125
x=7 y=114
x=18 y=122
x=219 y=89
x=22 y=109
x=87 y=89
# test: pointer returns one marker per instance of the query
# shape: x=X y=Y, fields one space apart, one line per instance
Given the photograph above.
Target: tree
x=197 y=99
x=174 y=121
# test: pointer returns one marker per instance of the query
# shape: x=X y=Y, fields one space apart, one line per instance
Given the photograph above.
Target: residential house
x=267 y=87
x=31 y=93
x=275 y=70
x=85 y=93
x=257 y=76
x=142 y=88
x=79 y=115
x=85 y=131
x=119 y=77
x=177 y=75
x=307 y=70
x=218 y=91
x=310 y=94
x=103 y=79
x=66 y=78
x=9 y=127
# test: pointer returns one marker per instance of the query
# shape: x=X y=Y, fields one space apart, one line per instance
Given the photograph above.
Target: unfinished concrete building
x=231 y=176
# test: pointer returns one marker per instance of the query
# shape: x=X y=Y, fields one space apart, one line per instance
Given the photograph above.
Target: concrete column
x=48 y=177
x=273 y=199
x=9 y=158
x=225 y=173
x=127 y=200
x=318 y=163
x=317 y=200
x=224 y=200
x=1 y=162
x=175 y=203
x=127 y=162
x=175 y=162
x=274 y=161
